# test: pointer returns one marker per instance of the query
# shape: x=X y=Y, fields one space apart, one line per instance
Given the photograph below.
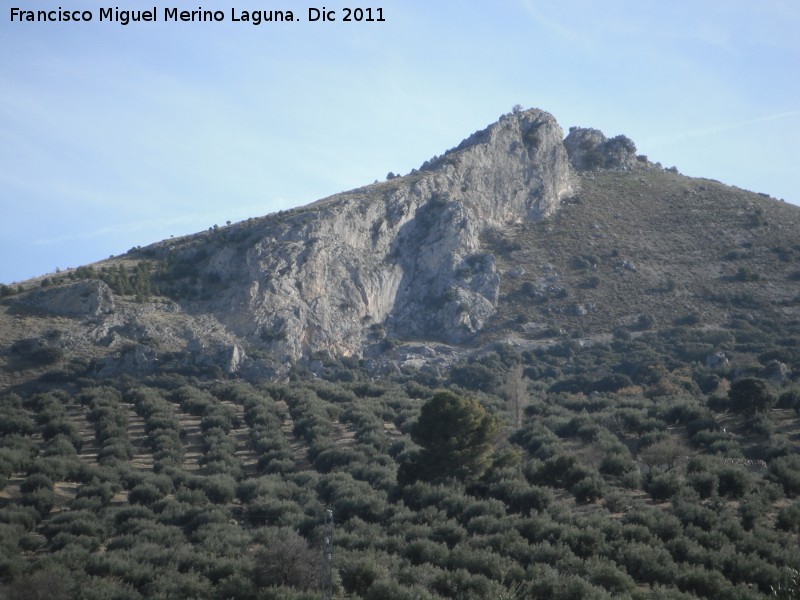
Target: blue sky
x=114 y=136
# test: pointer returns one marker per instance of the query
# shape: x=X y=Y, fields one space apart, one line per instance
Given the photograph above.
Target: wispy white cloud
x=552 y=23
x=681 y=136
x=113 y=230
x=181 y=224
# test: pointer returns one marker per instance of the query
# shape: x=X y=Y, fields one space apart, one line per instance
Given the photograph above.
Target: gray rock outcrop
x=590 y=149
x=90 y=298
x=404 y=256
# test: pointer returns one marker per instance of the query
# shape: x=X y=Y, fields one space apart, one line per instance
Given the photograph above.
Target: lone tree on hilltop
x=457 y=438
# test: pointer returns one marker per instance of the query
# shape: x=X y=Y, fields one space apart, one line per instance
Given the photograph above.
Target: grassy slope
x=686 y=238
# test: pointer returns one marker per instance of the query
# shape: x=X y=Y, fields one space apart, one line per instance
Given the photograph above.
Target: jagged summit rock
x=590 y=149
x=520 y=161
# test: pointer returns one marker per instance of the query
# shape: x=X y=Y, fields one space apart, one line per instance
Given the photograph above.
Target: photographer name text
x=199 y=15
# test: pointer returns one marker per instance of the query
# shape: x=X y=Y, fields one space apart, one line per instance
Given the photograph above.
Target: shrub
x=686 y=507
x=520 y=496
x=41 y=499
x=360 y=571
x=449 y=498
x=448 y=532
x=107 y=588
x=279 y=512
x=588 y=489
x=422 y=551
x=350 y=497
x=705 y=583
x=14 y=459
x=50 y=583
x=146 y=494
x=59 y=468
x=610 y=577
x=645 y=321
x=35 y=482
x=219 y=489
x=475 y=376
x=785 y=470
x=385 y=589
x=662 y=486
x=561 y=470
x=704 y=483
x=703 y=423
x=77 y=523
x=17 y=422
x=33 y=352
x=789 y=517
x=194 y=401
x=534 y=436
x=217 y=419
x=24 y=516
x=60 y=426
x=733 y=482
x=115 y=450
x=61 y=445
x=284 y=558
x=750 y=396
x=178 y=585
x=617 y=464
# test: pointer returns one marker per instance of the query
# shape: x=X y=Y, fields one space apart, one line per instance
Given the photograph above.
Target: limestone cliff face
x=401 y=258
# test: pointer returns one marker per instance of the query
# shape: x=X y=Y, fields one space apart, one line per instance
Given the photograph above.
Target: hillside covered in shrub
x=620 y=470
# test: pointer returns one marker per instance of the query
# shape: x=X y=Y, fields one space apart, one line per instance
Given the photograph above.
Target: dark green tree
x=457 y=438
x=750 y=396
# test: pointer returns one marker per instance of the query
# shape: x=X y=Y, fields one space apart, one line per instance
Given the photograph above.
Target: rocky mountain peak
x=413 y=264
x=403 y=258
x=524 y=149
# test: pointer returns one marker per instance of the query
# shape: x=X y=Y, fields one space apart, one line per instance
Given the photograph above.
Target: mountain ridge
x=416 y=269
